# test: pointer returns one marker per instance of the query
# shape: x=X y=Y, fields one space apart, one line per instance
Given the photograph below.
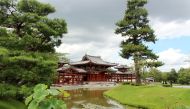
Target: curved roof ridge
x=93 y=59
x=122 y=66
x=92 y=56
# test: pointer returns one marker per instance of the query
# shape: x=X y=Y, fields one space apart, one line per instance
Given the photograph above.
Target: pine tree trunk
x=137 y=71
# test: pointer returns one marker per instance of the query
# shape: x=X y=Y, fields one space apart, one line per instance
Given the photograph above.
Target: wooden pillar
x=111 y=78
x=88 y=77
x=72 y=80
x=77 y=79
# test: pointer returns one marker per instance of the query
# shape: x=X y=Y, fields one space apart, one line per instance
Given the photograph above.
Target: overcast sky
x=91 y=25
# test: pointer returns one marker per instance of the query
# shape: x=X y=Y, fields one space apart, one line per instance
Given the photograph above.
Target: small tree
x=136 y=30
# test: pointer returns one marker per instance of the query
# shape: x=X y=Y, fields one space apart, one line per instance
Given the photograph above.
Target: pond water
x=91 y=99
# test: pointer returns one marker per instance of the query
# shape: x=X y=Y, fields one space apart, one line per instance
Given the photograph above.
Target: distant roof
x=149 y=78
x=119 y=72
x=93 y=59
x=122 y=67
x=63 y=62
x=79 y=62
x=62 y=68
x=79 y=70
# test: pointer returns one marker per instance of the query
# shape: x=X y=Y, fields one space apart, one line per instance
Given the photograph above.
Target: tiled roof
x=119 y=72
x=96 y=59
x=79 y=70
x=62 y=68
x=79 y=62
x=93 y=59
x=122 y=67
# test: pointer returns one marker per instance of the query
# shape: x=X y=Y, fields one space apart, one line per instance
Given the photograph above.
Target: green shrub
x=44 y=98
x=11 y=91
x=166 y=85
x=126 y=83
x=135 y=84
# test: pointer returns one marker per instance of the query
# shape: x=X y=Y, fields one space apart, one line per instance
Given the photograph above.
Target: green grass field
x=151 y=97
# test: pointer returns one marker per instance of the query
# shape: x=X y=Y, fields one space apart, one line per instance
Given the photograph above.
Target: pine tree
x=27 y=45
x=134 y=27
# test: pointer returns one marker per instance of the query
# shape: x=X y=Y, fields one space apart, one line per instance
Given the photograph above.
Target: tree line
x=172 y=77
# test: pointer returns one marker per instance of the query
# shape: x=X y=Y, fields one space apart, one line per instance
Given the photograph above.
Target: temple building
x=92 y=69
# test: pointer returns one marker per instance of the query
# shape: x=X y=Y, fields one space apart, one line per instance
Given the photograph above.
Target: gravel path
x=181 y=86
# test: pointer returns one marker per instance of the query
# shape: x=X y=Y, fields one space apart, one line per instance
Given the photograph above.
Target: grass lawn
x=151 y=97
x=11 y=104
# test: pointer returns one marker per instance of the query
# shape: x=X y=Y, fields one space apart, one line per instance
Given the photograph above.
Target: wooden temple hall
x=92 y=69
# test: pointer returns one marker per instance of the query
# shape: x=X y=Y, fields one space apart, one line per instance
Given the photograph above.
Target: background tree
x=27 y=40
x=155 y=73
x=184 y=76
x=164 y=77
x=172 y=76
x=151 y=66
x=136 y=30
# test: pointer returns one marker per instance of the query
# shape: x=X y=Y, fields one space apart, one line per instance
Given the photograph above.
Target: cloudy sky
x=91 y=25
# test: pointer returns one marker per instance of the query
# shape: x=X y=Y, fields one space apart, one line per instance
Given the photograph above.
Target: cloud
x=98 y=35
x=171 y=29
x=173 y=58
x=169 y=10
x=168 y=17
x=103 y=43
x=106 y=11
x=89 y=13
